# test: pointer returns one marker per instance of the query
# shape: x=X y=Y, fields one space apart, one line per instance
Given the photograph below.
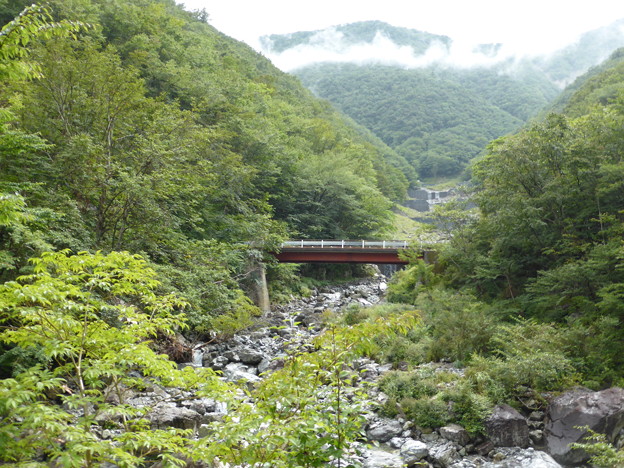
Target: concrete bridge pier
x=258 y=288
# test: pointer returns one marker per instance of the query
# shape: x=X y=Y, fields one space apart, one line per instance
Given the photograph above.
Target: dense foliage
x=441 y=108
x=434 y=122
x=545 y=241
x=149 y=131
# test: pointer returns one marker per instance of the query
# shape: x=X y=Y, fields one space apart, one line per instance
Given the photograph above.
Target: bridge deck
x=341 y=251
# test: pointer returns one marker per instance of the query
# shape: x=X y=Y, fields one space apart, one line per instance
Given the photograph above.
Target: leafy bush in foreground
x=91 y=317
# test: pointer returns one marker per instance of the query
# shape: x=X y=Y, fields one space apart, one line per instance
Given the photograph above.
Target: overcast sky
x=530 y=26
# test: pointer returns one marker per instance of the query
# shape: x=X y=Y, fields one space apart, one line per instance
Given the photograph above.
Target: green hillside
x=435 y=122
x=598 y=86
x=440 y=115
x=151 y=132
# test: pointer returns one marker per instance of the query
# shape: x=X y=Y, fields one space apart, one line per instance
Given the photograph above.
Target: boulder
x=455 y=433
x=382 y=430
x=505 y=427
x=218 y=363
x=443 y=454
x=413 y=451
x=514 y=457
x=174 y=416
x=602 y=412
x=381 y=459
x=236 y=372
x=250 y=356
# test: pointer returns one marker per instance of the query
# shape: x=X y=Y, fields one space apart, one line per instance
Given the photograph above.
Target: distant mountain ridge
x=434 y=102
x=353 y=33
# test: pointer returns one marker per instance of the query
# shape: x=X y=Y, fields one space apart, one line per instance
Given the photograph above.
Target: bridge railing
x=344 y=244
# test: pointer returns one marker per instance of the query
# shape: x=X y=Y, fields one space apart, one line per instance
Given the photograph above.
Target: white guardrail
x=341 y=244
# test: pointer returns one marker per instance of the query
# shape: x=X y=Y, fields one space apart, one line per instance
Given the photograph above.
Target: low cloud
x=330 y=46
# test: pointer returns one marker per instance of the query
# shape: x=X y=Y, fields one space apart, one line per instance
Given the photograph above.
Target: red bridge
x=341 y=251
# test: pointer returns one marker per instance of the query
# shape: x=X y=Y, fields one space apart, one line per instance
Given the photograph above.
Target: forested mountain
x=147 y=161
x=546 y=241
x=588 y=51
x=431 y=119
x=436 y=106
x=599 y=86
x=154 y=133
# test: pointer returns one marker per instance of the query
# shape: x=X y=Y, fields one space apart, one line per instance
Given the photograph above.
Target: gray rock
x=413 y=451
x=217 y=363
x=234 y=372
x=455 y=433
x=331 y=297
x=308 y=319
x=232 y=356
x=536 y=436
x=174 y=416
x=263 y=366
x=601 y=411
x=515 y=457
x=506 y=427
x=384 y=429
x=396 y=442
x=430 y=436
x=444 y=454
x=250 y=356
x=536 y=416
x=369 y=371
x=381 y=459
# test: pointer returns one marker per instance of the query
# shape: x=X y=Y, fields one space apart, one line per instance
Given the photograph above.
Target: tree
x=92 y=318
x=34 y=22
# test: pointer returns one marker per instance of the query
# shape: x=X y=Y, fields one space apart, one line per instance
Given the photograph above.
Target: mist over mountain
x=436 y=101
x=376 y=42
x=591 y=49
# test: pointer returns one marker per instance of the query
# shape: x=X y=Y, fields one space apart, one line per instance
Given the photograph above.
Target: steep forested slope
x=591 y=48
x=436 y=123
x=598 y=86
x=152 y=132
x=547 y=243
x=436 y=106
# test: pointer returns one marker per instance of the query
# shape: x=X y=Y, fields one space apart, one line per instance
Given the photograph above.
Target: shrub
x=400 y=385
x=431 y=398
x=467 y=407
x=426 y=412
x=459 y=325
x=527 y=355
x=406 y=284
x=603 y=454
x=595 y=349
x=354 y=315
x=92 y=317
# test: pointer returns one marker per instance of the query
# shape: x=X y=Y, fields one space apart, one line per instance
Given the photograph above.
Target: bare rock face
x=507 y=428
x=602 y=412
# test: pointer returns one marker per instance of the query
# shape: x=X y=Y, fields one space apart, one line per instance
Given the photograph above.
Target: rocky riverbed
x=513 y=439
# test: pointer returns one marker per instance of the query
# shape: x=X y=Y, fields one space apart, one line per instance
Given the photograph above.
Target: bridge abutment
x=258 y=287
